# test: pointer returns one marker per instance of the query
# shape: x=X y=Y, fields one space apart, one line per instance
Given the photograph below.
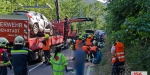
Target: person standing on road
x=79 y=40
x=118 y=58
x=20 y=57
x=4 y=61
x=46 y=49
x=79 y=62
x=59 y=62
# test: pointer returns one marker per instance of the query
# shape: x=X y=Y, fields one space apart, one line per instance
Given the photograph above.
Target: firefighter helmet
x=3 y=42
x=95 y=43
x=46 y=36
x=89 y=36
x=19 y=40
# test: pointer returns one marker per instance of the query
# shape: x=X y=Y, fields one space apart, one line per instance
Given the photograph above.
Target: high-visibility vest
x=77 y=43
x=58 y=64
x=2 y=63
x=119 y=53
x=85 y=48
x=93 y=48
x=47 y=46
x=88 y=41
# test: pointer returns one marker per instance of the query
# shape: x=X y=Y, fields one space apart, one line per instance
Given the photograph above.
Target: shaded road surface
x=42 y=69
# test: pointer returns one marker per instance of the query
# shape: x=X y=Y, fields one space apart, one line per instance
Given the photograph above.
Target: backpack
x=97 y=60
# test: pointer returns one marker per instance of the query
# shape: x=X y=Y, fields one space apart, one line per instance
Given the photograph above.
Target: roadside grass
x=105 y=66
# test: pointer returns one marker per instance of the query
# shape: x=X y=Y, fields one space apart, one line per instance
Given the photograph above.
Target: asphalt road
x=42 y=69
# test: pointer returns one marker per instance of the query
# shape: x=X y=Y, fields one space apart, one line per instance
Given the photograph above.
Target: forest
x=129 y=20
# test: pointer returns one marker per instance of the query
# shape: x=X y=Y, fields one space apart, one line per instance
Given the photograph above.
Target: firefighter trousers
x=3 y=70
x=20 y=70
x=47 y=56
x=118 y=68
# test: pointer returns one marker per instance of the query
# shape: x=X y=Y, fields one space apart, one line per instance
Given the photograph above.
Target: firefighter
x=59 y=62
x=93 y=51
x=79 y=62
x=118 y=58
x=20 y=56
x=89 y=41
x=79 y=40
x=46 y=48
x=4 y=61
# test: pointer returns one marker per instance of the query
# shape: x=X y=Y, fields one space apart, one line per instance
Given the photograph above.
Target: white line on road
x=35 y=66
x=88 y=70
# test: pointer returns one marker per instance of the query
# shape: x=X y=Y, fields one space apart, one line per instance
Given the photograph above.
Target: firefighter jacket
x=119 y=51
x=46 y=45
x=58 y=64
x=20 y=56
x=4 y=61
x=89 y=41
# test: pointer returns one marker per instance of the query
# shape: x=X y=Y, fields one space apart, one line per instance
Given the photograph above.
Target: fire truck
x=18 y=25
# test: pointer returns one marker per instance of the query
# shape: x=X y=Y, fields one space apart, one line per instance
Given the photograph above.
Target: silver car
x=38 y=22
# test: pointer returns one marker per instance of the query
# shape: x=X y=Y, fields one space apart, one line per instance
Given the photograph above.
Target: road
x=42 y=69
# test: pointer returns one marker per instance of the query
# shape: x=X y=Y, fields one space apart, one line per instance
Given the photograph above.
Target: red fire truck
x=14 y=25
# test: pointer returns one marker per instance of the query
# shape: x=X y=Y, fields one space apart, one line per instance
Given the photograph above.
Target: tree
x=129 y=20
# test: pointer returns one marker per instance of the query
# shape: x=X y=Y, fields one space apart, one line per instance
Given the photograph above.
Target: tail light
x=29 y=16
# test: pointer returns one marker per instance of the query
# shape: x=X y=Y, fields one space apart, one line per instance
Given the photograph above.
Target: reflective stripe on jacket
x=2 y=62
x=47 y=46
x=14 y=52
x=119 y=53
x=58 y=64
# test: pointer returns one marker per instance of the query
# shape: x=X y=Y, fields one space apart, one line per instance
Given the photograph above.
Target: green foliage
x=129 y=20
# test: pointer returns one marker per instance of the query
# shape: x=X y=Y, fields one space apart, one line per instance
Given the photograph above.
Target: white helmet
x=3 y=42
x=19 y=40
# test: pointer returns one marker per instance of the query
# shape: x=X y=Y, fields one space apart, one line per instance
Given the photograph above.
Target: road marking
x=88 y=71
x=35 y=66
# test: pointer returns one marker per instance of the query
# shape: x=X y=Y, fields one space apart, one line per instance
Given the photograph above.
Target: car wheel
x=51 y=31
x=35 y=29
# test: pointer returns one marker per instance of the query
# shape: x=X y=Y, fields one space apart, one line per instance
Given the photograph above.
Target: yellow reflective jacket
x=58 y=64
